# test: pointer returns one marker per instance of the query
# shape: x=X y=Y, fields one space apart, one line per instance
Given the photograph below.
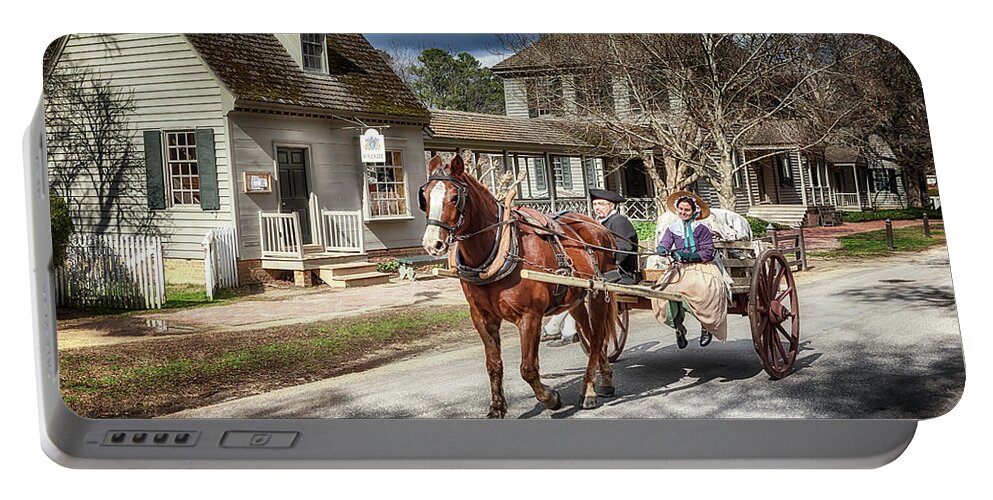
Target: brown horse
x=461 y=209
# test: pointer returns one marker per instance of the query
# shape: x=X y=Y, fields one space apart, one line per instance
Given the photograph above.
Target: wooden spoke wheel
x=615 y=344
x=774 y=314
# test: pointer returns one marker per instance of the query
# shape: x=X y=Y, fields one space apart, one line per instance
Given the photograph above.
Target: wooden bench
x=407 y=264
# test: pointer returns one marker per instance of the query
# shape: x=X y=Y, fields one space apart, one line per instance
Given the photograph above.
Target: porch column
x=827 y=179
x=586 y=185
x=550 y=176
x=858 y=195
x=803 y=181
x=748 y=178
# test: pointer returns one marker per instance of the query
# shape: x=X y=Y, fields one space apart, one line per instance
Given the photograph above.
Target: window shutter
x=154 y=182
x=207 y=168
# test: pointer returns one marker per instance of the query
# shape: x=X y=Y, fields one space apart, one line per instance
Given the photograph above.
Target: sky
x=486 y=47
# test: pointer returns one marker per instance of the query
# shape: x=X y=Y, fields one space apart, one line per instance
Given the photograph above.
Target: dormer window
x=312 y=45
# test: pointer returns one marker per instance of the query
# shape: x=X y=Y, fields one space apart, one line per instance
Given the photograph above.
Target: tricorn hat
x=603 y=194
x=703 y=210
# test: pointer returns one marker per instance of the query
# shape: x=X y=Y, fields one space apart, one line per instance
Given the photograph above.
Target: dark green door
x=294 y=190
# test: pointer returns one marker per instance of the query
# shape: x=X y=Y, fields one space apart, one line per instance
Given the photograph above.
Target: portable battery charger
x=274 y=178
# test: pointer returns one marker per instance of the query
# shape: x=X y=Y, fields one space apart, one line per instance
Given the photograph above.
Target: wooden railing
x=314 y=210
x=820 y=196
x=789 y=242
x=640 y=209
x=847 y=200
x=279 y=235
x=343 y=231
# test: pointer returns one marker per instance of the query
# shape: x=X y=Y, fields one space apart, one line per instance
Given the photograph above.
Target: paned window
x=387 y=189
x=312 y=45
x=181 y=167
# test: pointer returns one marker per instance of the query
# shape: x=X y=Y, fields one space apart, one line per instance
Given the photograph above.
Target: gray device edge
x=77 y=442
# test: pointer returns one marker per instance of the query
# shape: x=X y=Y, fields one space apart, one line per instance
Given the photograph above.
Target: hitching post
x=889 y=234
x=803 y=247
x=927 y=226
x=771 y=233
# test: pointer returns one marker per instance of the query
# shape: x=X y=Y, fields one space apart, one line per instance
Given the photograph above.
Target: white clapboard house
x=789 y=185
x=259 y=133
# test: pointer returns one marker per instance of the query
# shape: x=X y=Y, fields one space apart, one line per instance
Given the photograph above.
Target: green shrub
x=901 y=214
x=645 y=230
x=62 y=228
x=388 y=267
x=759 y=226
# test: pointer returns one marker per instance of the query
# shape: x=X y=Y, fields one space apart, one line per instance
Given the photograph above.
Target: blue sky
x=486 y=47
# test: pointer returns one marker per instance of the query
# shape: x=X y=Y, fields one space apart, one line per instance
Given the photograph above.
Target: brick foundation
x=250 y=272
x=387 y=254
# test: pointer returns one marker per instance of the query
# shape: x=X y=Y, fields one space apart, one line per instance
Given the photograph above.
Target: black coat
x=621 y=226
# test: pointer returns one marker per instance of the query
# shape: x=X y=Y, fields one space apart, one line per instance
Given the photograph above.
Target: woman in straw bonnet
x=687 y=240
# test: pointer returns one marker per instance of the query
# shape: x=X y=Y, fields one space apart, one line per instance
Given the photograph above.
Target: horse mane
x=477 y=188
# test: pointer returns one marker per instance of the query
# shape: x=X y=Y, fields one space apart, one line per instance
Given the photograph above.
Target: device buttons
x=248 y=439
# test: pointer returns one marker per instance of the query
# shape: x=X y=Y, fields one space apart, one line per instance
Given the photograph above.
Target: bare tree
x=687 y=104
x=890 y=100
x=94 y=164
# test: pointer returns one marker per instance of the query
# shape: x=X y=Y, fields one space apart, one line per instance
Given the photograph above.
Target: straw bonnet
x=703 y=208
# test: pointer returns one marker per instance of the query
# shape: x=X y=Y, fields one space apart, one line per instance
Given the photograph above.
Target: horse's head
x=443 y=199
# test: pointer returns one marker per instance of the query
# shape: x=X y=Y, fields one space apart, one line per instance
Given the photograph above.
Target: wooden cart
x=763 y=289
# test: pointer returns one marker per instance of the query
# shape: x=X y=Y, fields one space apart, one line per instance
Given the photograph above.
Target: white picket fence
x=220 y=260
x=124 y=272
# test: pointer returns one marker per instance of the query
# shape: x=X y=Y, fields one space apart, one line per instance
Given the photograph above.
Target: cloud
x=487 y=59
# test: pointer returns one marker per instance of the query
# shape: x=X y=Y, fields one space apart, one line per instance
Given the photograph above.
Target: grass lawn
x=156 y=377
x=873 y=243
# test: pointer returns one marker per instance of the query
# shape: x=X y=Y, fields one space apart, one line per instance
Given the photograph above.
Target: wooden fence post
x=770 y=231
x=927 y=226
x=802 y=245
x=889 y=234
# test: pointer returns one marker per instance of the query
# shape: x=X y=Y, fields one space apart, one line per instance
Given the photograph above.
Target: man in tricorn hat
x=605 y=207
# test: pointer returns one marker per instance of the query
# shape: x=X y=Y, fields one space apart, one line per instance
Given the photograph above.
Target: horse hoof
x=605 y=391
x=555 y=402
x=590 y=402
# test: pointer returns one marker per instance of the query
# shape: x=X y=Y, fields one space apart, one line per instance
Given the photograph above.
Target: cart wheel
x=774 y=314
x=615 y=344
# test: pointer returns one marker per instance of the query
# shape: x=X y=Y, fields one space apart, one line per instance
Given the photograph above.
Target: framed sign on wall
x=258 y=182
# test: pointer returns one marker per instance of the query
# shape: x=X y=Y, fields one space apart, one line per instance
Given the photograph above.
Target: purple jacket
x=673 y=239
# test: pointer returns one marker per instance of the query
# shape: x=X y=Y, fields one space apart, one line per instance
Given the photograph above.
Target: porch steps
x=790 y=215
x=311 y=261
x=338 y=271
x=357 y=280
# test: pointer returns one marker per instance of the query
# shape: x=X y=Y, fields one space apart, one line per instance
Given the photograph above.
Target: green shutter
x=207 y=167
x=154 y=182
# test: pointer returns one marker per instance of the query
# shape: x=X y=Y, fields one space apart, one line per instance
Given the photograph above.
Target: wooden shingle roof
x=478 y=127
x=258 y=69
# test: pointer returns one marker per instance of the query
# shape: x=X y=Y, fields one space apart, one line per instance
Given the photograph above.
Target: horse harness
x=547 y=227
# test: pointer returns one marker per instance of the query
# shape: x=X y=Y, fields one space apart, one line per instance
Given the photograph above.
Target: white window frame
x=594 y=173
x=322 y=43
x=367 y=195
x=168 y=175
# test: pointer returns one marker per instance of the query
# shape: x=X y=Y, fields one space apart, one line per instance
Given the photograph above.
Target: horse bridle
x=460 y=198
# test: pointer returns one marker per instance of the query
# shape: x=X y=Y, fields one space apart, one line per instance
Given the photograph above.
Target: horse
x=464 y=218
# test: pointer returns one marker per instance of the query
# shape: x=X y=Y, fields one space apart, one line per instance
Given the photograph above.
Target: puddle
x=137 y=327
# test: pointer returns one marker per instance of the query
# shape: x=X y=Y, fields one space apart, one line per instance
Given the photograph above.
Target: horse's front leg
x=530 y=327
x=596 y=358
x=488 y=326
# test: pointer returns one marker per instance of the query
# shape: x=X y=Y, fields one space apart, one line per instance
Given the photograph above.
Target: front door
x=760 y=179
x=294 y=190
